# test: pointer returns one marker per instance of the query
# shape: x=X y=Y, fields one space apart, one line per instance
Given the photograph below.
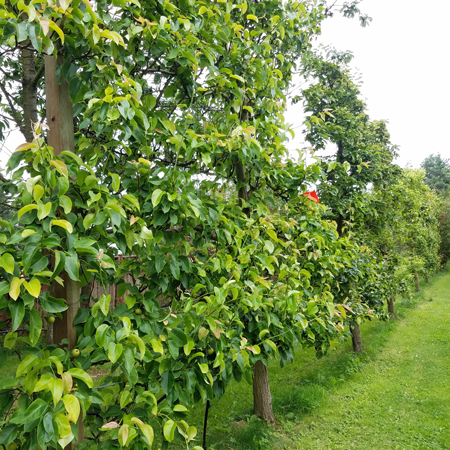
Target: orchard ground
x=395 y=395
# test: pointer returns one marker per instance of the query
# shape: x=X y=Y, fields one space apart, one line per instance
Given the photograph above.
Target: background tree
x=363 y=157
x=437 y=172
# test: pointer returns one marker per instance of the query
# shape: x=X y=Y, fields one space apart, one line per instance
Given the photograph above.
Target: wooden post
x=61 y=138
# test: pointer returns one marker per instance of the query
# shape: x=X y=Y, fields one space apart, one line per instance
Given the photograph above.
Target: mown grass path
x=396 y=395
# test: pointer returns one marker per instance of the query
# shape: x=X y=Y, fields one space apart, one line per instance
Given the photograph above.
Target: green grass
x=395 y=395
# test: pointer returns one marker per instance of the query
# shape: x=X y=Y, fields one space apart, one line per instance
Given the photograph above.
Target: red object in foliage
x=312 y=196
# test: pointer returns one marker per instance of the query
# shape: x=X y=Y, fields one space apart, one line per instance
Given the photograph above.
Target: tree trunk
x=29 y=92
x=356 y=339
x=416 y=277
x=262 y=399
x=391 y=306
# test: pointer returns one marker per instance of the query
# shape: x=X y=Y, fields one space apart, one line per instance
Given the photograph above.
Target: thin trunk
x=356 y=339
x=29 y=92
x=262 y=399
x=391 y=306
x=416 y=277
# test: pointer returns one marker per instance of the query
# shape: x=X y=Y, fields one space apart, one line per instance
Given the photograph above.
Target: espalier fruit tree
x=152 y=107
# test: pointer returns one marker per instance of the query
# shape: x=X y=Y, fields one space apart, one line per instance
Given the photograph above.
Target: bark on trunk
x=262 y=399
x=416 y=277
x=391 y=306
x=29 y=92
x=356 y=339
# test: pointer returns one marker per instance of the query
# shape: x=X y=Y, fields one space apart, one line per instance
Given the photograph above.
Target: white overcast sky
x=403 y=60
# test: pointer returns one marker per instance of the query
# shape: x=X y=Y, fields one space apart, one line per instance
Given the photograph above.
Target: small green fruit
x=226 y=323
x=75 y=353
x=182 y=216
x=210 y=351
x=12 y=446
x=138 y=311
x=50 y=319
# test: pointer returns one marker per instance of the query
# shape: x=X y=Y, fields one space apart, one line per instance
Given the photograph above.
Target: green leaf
x=7 y=262
x=115 y=181
x=140 y=343
x=35 y=326
x=268 y=245
x=133 y=200
x=28 y=362
x=82 y=375
x=56 y=388
x=63 y=186
x=130 y=301
x=100 y=334
x=104 y=302
x=17 y=310
x=179 y=337
x=10 y=340
x=52 y=305
x=63 y=224
x=9 y=434
x=66 y=203
x=169 y=430
x=71 y=266
x=114 y=351
x=156 y=197
x=35 y=410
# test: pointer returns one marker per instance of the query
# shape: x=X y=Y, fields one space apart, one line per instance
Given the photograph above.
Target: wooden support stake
x=61 y=138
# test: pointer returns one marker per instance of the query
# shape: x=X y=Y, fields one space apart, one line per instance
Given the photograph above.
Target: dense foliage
x=180 y=167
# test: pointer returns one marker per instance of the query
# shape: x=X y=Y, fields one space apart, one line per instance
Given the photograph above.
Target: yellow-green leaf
x=58 y=30
x=72 y=405
x=44 y=210
x=63 y=224
x=147 y=430
x=64 y=429
x=25 y=209
x=60 y=167
x=28 y=232
x=252 y=17
x=157 y=346
x=33 y=287
x=14 y=289
x=7 y=262
x=38 y=192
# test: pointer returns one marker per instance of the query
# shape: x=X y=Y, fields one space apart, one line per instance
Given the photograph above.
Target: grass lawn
x=396 y=395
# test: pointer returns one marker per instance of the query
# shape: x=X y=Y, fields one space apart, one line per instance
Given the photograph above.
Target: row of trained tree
x=165 y=143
